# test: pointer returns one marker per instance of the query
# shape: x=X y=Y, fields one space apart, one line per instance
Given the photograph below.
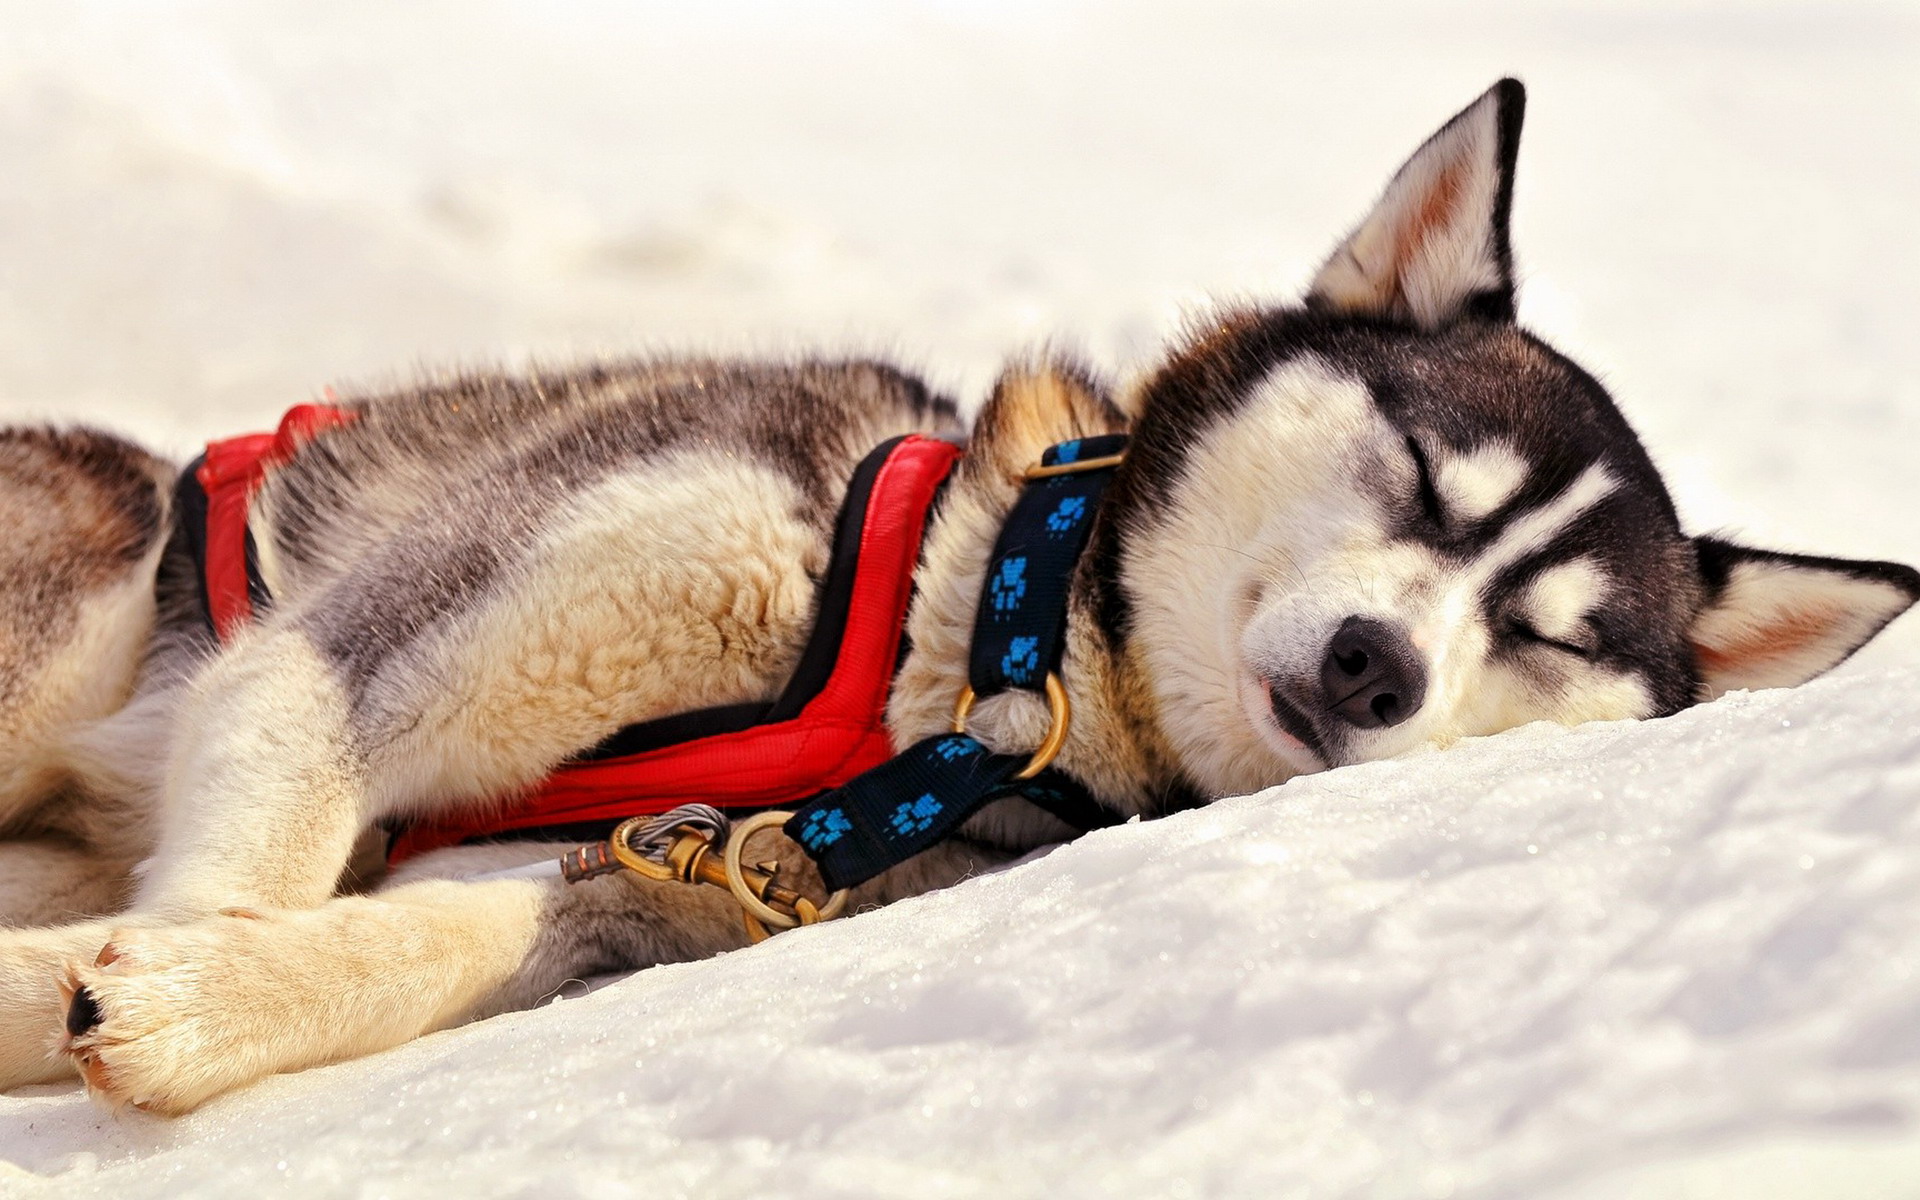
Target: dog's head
x=1391 y=517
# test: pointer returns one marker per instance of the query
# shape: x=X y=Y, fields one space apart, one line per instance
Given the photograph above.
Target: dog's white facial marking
x=1453 y=631
x=1549 y=682
x=1474 y=484
x=1535 y=529
x=1557 y=603
x=1441 y=602
x=1284 y=482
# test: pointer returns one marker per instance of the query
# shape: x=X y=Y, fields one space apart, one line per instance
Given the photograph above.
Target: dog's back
x=467 y=470
x=396 y=542
x=514 y=536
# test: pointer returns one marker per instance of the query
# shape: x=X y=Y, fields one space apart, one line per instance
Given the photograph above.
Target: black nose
x=1372 y=677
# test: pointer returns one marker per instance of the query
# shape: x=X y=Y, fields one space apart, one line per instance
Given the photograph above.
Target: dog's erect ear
x=1775 y=620
x=1435 y=247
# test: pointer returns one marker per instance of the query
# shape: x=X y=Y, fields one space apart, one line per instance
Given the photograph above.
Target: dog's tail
x=83 y=520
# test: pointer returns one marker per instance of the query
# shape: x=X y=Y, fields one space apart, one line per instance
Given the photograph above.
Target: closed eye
x=1429 y=495
x=1519 y=631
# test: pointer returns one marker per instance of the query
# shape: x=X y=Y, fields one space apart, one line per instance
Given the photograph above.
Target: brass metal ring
x=632 y=859
x=1058 y=709
x=737 y=839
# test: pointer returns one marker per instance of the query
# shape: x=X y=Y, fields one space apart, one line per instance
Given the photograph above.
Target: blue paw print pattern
x=1021 y=660
x=916 y=816
x=824 y=828
x=1009 y=585
x=956 y=747
x=1065 y=516
x=1066 y=452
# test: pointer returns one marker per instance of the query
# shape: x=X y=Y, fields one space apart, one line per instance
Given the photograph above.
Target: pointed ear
x=1435 y=246
x=1775 y=620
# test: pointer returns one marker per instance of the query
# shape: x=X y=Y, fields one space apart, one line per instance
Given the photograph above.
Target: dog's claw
x=83 y=1013
x=94 y=1074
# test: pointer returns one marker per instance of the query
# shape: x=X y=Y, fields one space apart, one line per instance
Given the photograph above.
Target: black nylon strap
x=1067 y=801
x=922 y=795
x=190 y=503
x=899 y=808
x=1019 y=631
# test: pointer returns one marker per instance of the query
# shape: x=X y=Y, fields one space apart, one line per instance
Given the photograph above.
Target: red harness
x=837 y=734
x=229 y=474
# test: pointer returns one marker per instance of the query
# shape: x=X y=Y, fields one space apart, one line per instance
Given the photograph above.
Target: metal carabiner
x=686 y=856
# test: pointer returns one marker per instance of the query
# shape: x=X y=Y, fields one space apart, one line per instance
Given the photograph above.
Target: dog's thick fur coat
x=1386 y=519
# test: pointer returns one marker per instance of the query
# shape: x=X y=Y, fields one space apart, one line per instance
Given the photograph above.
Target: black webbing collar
x=922 y=795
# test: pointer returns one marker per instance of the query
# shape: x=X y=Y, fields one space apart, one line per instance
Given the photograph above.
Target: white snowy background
x=1679 y=958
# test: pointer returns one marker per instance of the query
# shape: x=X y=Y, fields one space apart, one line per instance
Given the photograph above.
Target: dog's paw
x=165 y=1019
x=31 y=1005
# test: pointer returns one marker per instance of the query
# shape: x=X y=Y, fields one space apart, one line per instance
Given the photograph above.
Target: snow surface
x=1674 y=958
x=1541 y=964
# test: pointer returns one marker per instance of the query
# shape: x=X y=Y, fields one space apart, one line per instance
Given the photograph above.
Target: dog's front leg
x=168 y=1017
x=262 y=799
x=265 y=789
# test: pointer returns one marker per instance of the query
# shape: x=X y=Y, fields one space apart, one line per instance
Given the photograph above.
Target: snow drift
x=1674 y=958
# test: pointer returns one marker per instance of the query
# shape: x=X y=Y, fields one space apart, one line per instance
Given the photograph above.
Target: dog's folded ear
x=1776 y=620
x=1036 y=403
x=1435 y=247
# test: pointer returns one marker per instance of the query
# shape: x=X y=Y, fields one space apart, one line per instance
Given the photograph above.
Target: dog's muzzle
x=1372 y=677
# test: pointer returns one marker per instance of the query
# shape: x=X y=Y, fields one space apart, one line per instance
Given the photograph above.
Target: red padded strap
x=230 y=474
x=838 y=735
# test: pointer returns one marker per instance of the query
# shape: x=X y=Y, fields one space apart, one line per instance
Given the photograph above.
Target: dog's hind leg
x=84 y=516
x=46 y=882
x=82 y=523
x=73 y=856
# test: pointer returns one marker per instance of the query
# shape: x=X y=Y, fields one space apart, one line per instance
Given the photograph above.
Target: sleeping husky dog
x=1383 y=519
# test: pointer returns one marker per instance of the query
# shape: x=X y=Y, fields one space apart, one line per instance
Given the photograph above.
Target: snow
x=1541 y=964
x=1672 y=958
